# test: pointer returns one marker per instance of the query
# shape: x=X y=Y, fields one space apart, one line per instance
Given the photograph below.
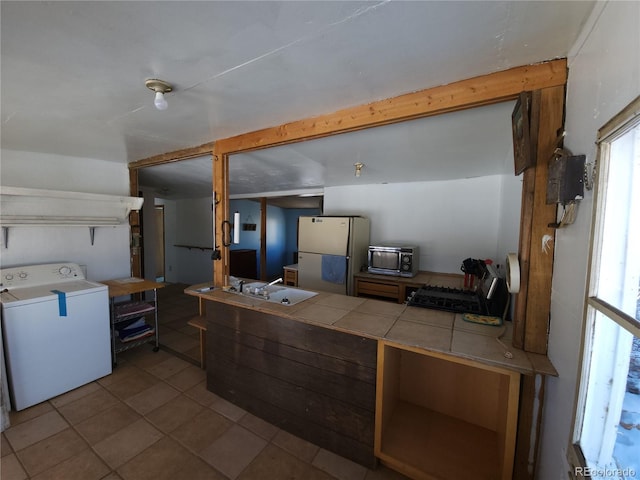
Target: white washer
x=56 y=331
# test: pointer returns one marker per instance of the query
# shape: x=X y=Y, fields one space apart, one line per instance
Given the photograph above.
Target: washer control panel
x=34 y=275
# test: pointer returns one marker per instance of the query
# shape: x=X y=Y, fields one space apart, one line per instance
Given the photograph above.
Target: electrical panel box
x=566 y=179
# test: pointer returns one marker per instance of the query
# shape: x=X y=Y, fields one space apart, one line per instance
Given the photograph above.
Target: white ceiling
x=73 y=81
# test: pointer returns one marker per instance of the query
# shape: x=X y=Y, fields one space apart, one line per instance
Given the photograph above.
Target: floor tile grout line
x=174 y=438
x=91 y=447
x=75 y=430
x=167 y=434
x=170 y=434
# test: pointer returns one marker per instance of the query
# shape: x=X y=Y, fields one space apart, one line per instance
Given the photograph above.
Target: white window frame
x=622 y=123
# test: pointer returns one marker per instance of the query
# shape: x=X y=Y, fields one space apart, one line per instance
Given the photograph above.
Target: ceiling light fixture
x=160 y=87
x=358 y=166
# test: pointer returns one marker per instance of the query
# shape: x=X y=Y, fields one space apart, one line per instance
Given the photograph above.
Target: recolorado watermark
x=596 y=472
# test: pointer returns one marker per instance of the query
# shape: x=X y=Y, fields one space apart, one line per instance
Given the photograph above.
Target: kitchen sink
x=275 y=293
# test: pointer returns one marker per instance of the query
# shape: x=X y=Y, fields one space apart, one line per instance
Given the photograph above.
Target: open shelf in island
x=442 y=417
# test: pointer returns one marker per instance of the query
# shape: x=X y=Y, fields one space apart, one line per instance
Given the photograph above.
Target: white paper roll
x=236 y=227
x=513 y=273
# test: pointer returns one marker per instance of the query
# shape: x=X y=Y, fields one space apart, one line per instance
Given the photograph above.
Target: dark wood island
x=316 y=383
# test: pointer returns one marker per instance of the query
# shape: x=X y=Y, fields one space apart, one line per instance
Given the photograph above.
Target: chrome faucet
x=263 y=290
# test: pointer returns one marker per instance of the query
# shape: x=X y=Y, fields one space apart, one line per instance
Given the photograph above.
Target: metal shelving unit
x=124 y=311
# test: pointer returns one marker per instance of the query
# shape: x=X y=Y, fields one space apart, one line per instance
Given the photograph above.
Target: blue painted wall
x=249 y=213
x=282 y=233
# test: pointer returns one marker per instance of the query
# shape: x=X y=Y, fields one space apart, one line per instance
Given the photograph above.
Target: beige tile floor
x=153 y=418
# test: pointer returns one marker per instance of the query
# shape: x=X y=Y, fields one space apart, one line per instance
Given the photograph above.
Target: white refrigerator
x=330 y=251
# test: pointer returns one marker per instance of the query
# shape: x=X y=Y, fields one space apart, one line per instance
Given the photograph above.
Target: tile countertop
x=422 y=328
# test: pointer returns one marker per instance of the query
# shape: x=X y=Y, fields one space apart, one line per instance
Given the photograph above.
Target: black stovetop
x=448 y=299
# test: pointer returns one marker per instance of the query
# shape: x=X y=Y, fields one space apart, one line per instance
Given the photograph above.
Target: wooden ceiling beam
x=483 y=90
x=175 y=156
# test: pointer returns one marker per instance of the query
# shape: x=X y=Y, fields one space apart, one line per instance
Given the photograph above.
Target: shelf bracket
x=5 y=236
x=92 y=234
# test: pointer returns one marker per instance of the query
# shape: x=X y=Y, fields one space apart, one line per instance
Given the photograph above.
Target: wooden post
x=533 y=302
x=135 y=245
x=541 y=243
x=526 y=222
x=221 y=207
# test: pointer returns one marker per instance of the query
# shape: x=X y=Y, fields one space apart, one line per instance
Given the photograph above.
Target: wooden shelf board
x=417 y=439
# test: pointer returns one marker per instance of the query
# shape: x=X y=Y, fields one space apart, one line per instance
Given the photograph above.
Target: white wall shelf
x=34 y=207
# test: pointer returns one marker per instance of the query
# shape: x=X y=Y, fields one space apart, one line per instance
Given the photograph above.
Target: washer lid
x=22 y=296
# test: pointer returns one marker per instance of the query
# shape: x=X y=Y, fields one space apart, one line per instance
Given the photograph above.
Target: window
x=606 y=440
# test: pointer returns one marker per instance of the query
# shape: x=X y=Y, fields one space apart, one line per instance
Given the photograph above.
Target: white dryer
x=56 y=331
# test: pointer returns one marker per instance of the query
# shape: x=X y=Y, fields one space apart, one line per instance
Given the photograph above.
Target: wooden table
x=398 y=288
x=130 y=286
